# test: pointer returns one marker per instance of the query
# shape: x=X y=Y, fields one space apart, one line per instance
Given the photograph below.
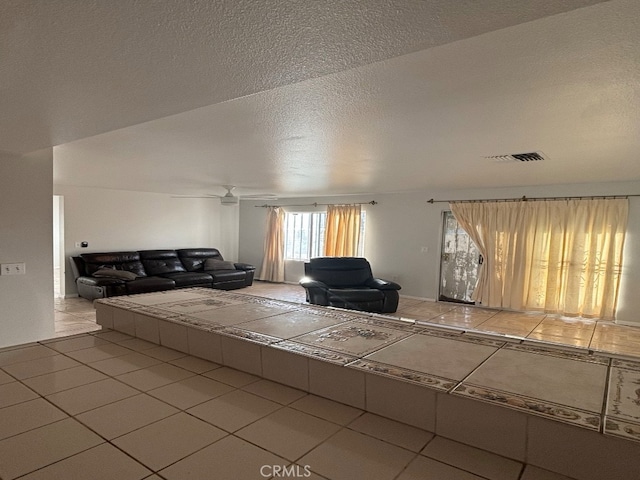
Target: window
x=304 y=235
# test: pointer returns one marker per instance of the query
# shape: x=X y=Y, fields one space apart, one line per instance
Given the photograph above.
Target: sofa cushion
x=193 y=258
x=113 y=273
x=215 y=264
x=129 y=261
x=190 y=279
x=159 y=262
x=149 y=284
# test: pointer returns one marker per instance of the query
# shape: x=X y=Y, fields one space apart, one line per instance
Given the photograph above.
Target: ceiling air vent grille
x=518 y=157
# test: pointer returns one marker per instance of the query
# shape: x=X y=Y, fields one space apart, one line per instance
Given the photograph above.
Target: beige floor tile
x=274 y=391
x=124 y=364
x=136 y=344
x=5 y=378
x=583 y=342
x=26 y=416
x=24 y=354
x=98 y=353
x=457 y=320
x=558 y=380
x=234 y=410
x=171 y=439
x=473 y=460
x=288 y=433
x=228 y=459
x=195 y=364
x=232 y=377
x=63 y=380
x=285 y=367
x=236 y=314
x=124 y=416
x=327 y=409
x=154 y=376
x=165 y=354
x=400 y=434
x=14 y=392
x=191 y=391
x=354 y=456
x=535 y=473
x=438 y=356
x=40 y=366
x=92 y=395
x=113 y=336
x=289 y=324
x=616 y=348
x=38 y=448
x=105 y=462
x=422 y=468
x=353 y=338
x=77 y=343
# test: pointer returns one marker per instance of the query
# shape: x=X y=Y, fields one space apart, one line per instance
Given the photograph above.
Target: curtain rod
x=526 y=199
x=372 y=202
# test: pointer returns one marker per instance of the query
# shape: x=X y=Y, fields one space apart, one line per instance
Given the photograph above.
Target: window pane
x=304 y=235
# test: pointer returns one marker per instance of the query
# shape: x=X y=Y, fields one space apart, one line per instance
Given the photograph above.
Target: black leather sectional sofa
x=100 y=275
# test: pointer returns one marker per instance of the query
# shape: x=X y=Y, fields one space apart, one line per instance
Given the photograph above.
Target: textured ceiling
x=315 y=97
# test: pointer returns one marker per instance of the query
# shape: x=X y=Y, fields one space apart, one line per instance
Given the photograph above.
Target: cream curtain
x=273 y=261
x=557 y=256
x=342 y=230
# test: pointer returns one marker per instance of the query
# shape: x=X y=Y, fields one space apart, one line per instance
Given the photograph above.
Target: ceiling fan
x=229 y=199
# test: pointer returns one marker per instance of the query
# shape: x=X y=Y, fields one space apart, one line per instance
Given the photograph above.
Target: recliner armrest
x=308 y=283
x=381 y=284
x=244 y=266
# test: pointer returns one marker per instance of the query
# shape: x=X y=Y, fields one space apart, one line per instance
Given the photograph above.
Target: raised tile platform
x=518 y=398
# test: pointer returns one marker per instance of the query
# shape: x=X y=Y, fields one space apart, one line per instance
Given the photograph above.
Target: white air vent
x=518 y=157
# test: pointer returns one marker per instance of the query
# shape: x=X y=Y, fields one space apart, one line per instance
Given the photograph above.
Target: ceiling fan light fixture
x=228 y=200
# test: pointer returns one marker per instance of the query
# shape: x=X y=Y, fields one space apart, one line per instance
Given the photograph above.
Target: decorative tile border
x=624 y=363
x=624 y=395
x=404 y=375
x=460 y=336
x=314 y=352
x=348 y=337
x=621 y=428
x=249 y=336
x=552 y=411
x=570 y=354
x=403 y=326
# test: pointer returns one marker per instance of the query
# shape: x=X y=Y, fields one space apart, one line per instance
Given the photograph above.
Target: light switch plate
x=12 y=269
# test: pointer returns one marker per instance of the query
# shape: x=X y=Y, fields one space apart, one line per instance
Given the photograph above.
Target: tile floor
x=77 y=315
x=103 y=405
x=112 y=393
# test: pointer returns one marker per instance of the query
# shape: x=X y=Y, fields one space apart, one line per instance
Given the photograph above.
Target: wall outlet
x=424 y=249
x=12 y=269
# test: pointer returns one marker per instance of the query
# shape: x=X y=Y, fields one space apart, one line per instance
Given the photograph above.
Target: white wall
x=402 y=224
x=26 y=235
x=117 y=220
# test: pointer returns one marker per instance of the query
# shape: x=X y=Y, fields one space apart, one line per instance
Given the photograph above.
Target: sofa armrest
x=244 y=266
x=308 y=283
x=381 y=284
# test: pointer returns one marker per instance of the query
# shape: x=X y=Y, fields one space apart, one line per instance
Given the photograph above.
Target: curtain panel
x=273 y=260
x=342 y=230
x=557 y=256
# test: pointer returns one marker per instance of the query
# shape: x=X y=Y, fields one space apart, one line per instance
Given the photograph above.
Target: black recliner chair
x=347 y=282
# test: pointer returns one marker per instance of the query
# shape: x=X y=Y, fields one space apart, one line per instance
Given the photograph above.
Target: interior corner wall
x=404 y=232
x=119 y=220
x=26 y=236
